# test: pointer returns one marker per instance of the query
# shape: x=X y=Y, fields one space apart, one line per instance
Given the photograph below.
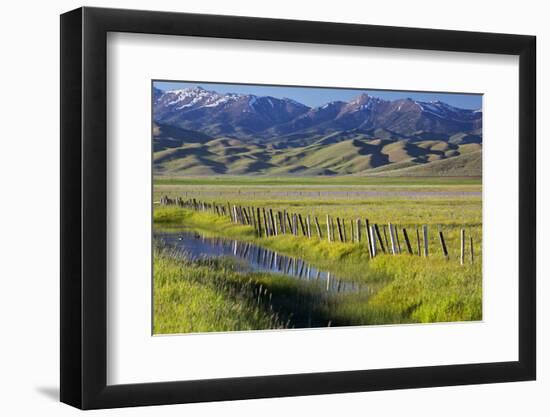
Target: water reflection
x=257 y=259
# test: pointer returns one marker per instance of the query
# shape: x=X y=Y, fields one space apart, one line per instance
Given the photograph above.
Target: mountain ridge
x=201 y=132
x=266 y=117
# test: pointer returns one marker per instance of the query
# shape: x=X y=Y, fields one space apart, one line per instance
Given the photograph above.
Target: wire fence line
x=380 y=238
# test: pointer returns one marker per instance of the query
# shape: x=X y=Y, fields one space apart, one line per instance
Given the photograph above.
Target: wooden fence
x=268 y=222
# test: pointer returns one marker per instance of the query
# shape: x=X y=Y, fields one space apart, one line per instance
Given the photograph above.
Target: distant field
x=316 y=181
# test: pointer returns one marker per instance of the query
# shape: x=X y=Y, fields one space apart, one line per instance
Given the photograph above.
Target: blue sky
x=315 y=96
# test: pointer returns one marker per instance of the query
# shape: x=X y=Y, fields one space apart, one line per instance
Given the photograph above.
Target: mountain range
x=202 y=132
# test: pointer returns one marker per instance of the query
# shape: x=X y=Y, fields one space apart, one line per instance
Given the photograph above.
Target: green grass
x=205 y=296
x=404 y=288
x=193 y=297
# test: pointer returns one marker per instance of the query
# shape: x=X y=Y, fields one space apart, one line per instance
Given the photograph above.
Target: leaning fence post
x=425 y=236
x=443 y=245
x=339 y=229
x=270 y=223
x=308 y=226
x=358 y=230
x=328 y=229
x=289 y=222
x=242 y=215
x=301 y=225
x=318 y=228
x=462 y=238
x=377 y=230
x=406 y=237
x=373 y=241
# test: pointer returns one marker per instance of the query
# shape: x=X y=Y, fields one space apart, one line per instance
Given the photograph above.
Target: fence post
x=443 y=245
x=425 y=236
x=358 y=230
x=318 y=228
x=289 y=222
x=275 y=224
x=301 y=224
x=392 y=239
x=418 y=241
x=328 y=229
x=367 y=233
x=272 y=223
x=252 y=216
x=407 y=242
x=373 y=241
x=308 y=226
x=242 y=215
x=266 y=228
x=339 y=229
x=462 y=237
x=377 y=230
x=385 y=237
x=259 y=222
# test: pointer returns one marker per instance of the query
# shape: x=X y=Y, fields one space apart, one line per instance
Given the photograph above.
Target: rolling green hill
x=327 y=155
x=465 y=165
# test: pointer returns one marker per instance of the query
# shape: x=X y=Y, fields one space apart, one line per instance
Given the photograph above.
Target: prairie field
x=195 y=293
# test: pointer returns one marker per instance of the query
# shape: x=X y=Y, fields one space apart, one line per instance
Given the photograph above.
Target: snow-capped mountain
x=248 y=116
x=227 y=114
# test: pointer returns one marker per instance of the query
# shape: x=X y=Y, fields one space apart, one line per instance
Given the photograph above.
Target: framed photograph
x=258 y=208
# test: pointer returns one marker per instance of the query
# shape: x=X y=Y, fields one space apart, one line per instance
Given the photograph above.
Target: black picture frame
x=84 y=207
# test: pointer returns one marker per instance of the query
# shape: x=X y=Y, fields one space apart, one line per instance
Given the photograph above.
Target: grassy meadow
x=200 y=295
